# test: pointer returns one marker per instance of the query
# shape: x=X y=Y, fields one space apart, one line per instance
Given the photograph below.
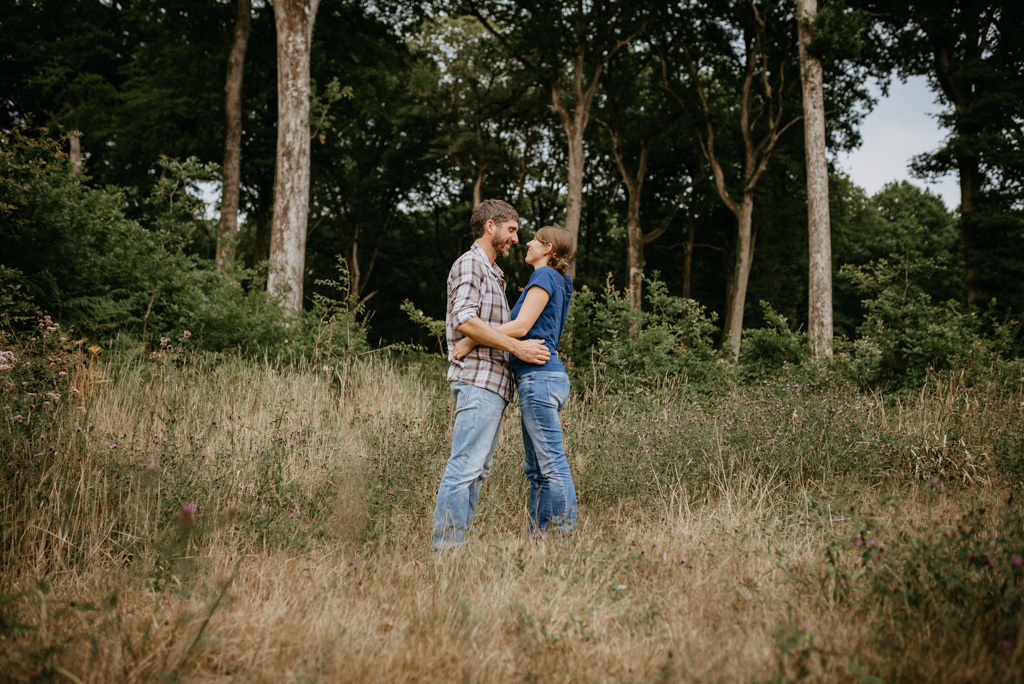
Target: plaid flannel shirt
x=476 y=288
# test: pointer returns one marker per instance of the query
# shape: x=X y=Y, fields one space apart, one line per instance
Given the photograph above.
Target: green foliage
x=610 y=346
x=83 y=259
x=773 y=347
x=339 y=319
x=435 y=327
x=903 y=272
x=905 y=333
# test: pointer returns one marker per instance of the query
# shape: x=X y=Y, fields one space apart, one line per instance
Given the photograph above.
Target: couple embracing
x=489 y=348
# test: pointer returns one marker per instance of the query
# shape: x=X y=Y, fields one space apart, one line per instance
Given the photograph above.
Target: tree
x=483 y=94
x=819 y=286
x=232 y=167
x=735 y=72
x=294 y=19
x=62 y=74
x=639 y=119
x=970 y=51
x=566 y=46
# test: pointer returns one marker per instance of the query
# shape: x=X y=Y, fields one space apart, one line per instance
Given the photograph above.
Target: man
x=481 y=383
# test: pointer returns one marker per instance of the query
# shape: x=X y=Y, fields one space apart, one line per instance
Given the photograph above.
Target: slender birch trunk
x=294 y=20
x=819 y=286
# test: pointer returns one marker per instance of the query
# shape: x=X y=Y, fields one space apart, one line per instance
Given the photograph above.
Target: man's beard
x=501 y=246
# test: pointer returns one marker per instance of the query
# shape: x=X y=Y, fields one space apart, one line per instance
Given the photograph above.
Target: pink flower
x=1016 y=561
x=858 y=542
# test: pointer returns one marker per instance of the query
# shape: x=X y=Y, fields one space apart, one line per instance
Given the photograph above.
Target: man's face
x=505 y=235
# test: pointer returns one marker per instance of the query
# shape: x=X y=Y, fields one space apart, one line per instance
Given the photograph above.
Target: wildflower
x=937 y=482
x=683 y=560
x=1016 y=561
x=871 y=542
x=80 y=409
x=188 y=516
x=152 y=464
x=858 y=542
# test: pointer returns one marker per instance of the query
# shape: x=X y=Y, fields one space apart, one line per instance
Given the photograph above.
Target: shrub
x=608 y=345
x=74 y=251
x=772 y=348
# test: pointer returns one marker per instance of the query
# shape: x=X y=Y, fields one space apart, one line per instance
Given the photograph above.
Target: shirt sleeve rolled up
x=466 y=294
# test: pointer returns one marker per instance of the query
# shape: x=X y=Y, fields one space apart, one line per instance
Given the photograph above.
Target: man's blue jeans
x=542 y=395
x=474 y=439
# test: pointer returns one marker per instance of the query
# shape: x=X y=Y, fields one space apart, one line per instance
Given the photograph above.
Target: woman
x=540 y=314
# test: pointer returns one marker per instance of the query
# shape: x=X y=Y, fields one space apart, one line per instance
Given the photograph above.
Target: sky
x=900 y=127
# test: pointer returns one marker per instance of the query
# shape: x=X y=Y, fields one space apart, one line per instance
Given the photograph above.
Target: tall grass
x=252 y=521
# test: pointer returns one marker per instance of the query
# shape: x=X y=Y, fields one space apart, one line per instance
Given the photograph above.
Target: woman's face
x=537 y=253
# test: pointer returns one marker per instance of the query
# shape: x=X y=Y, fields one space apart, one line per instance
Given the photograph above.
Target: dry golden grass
x=615 y=602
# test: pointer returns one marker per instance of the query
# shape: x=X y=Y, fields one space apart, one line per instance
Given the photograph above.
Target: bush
x=610 y=346
x=75 y=253
x=772 y=348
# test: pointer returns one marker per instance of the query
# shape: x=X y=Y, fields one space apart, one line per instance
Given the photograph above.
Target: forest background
x=682 y=125
x=221 y=438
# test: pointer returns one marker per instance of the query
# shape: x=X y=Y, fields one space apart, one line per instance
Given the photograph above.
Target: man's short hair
x=491 y=210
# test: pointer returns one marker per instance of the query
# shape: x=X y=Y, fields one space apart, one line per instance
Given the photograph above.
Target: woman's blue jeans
x=542 y=395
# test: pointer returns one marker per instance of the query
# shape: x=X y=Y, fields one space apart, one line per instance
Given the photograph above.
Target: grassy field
x=177 y=520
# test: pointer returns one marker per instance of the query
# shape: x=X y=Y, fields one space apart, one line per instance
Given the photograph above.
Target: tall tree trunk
x=956 y=69
x=757 y=154
x=75 y=146
x=635 y=237
x=819 y=286
x=574 y=183
x=294 y=20
x=232 y=170
x=732 y=328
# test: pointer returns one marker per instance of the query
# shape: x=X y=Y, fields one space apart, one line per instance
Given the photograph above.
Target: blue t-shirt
x=551 y=321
